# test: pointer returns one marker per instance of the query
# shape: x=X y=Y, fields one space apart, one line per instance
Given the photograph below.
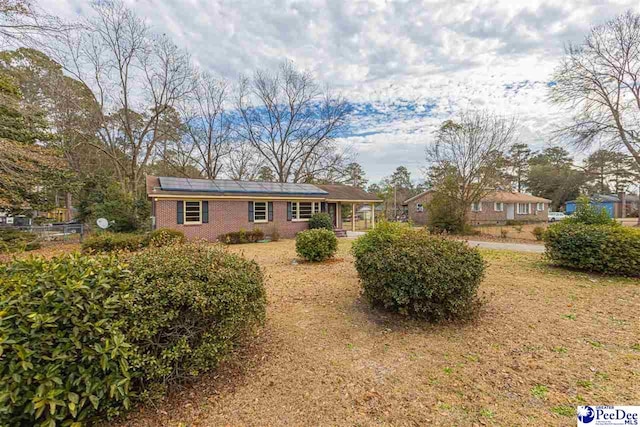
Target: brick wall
x=226 y=216
x=487 y=216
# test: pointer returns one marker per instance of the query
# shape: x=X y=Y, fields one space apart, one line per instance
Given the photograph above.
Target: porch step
x=340 y=232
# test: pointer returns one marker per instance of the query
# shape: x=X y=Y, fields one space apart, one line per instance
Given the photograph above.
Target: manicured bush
x=110 y=242
x=382 y=235
x=316 y=245
x=17 y=241
x=190 y=305
x=538 y=232
x=63 y=355
x=321 y=220
x=418 y=275
x=610 y=249
x=165 y=237
x=242 y=236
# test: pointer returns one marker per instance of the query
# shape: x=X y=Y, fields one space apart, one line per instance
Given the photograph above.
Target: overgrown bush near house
x=189 y=306
x=110 y=242
x=610 y=249
x=316 y=245
x=419 y=275
x=242 y=236
x=442 y=217
x=64 y=356
x=18 y=241
x=321 y=220
x=588 y=214
x=538 y=232
x=165 y=237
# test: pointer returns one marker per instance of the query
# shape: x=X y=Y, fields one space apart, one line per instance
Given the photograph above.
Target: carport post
x=373 y=215
x=353 y=217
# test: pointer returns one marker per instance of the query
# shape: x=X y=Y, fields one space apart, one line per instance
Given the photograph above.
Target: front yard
x=546 y=341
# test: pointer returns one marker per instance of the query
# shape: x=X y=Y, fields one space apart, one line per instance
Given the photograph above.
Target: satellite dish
x=102 y=223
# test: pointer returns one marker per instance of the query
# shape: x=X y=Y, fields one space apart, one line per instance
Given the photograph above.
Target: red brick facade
x=226 y=216
x=418 y=212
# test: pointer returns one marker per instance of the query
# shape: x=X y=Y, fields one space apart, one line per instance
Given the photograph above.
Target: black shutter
x=205 y=212
x=289 y=214
x=180 y=210
x=270 y=207
x=323 y=207
x=250 y=211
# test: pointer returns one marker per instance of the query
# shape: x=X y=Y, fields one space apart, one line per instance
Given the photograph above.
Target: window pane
x=192 y=211
x=306 y=210
x=260 y=211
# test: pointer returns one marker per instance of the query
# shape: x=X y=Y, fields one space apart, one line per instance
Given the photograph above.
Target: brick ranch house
x=206 y=209
x=495 y=208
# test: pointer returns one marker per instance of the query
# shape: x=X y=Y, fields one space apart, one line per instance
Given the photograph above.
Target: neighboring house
x=495 y=208
x=612 y=203
x=206 y=209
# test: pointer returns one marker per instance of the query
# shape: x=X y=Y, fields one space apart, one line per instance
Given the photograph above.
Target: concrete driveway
x=518 y=247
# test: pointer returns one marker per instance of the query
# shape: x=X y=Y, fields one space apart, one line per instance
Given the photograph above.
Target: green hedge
x=18 y=241
x=242 y=236
x=610 y=249
x=321 y=220
x=316 y=245
x=82 y=337
x=64 y=356
x=165 y=237
x=197 y=301
x=418 y=275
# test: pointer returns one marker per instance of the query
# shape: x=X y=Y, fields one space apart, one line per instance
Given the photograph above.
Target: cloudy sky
x=404 y=65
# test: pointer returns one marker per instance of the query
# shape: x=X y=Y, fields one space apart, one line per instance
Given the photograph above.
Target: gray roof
x=226 y=186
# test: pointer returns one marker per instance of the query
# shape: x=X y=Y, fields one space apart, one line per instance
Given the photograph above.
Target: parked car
x=556 y=216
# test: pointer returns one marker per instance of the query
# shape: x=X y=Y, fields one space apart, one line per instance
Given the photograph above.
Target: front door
x=511 y=210
x=332 y=213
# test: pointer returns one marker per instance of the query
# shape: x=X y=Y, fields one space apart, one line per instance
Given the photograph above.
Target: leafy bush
x=165 y=237
x=321 y=220
x=18 y=241
x=109 y=242
x=419 y=275
x=444 y=214
x=317 y=244
x=64 y=357
x=586 y=213
x=611 y=249
x=538 y=232
x=383 y=234
x=196 y=301
x=242 y=236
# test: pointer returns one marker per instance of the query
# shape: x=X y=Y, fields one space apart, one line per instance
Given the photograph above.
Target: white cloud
x=396 y=56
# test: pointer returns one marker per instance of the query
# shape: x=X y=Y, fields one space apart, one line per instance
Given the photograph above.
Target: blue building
x=611 y=203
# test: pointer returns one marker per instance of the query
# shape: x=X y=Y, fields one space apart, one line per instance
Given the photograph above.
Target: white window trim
x=419 y=207
x=315 y=208
x=184 y=213
x=538 y=208
x=479 y=207
x=495 y=206
x=266 y=213
x=520 y=212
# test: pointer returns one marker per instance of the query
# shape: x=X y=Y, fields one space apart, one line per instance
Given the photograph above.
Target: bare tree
x=468 y=154
x=23 y=23
x=137 y=79
x=207 y=128
x=244 y=163
x=289 y=120
x=599 y=82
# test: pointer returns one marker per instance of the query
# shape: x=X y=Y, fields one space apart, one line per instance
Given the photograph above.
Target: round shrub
x=165 y=237
x=190 y=305
x=610 y=249
x=63 y=355
x=383 y=234
x=110 y=242
x=419 y=275
x=317 y=244
x=321 y=220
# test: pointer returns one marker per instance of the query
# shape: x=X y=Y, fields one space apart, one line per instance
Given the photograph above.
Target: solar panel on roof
x=229 y=186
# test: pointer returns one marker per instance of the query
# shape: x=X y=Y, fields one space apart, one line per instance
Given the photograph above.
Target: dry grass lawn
x=546 y=341
x=514 y=233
